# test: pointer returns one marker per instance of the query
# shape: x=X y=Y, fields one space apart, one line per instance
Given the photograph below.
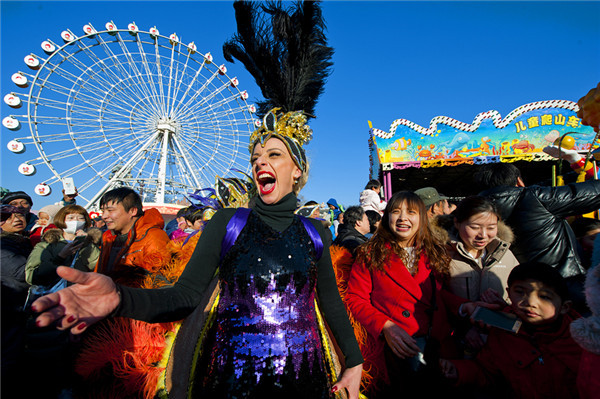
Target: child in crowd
x=195 y=219
x=335 y=214
x=179 y=234
x=370 y=197
x=542 y=359
x=44 y=222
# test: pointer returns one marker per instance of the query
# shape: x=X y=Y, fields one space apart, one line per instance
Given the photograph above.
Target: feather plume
x=285 y=50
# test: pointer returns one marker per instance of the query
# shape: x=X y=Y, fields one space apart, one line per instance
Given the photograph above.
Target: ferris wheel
x=128 y=107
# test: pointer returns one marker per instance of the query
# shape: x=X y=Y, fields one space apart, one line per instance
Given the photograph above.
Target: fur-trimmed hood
x=442 y=227
x=586 y=332
x=51 y=236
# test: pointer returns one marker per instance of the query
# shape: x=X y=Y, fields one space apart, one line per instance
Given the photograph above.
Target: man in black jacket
x=14 y=250
x=537 y=216
x=352 y=232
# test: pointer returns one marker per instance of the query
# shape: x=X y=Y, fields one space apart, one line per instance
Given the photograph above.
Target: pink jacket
x=370 y=200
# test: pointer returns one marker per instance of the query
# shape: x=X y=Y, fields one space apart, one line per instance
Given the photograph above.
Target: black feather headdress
x=286 y=52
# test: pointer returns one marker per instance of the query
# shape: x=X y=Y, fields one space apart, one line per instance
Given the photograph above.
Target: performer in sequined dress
x=265 y=338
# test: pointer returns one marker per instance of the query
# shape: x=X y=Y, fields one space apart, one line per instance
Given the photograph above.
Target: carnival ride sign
x=521 y=135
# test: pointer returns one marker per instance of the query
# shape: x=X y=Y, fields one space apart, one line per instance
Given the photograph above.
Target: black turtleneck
x=279 y=216
x=174 y=303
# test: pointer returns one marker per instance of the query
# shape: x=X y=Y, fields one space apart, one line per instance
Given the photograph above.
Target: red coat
x=36 y=234
x=145 y=247
x=375 y=297
x=539 y=365
x=588 y=380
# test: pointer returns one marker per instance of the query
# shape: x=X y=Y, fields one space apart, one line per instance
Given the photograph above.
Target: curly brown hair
x=375 y=252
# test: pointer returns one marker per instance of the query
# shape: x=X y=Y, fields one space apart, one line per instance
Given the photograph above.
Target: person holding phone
x=395 y=292
x=71 y=244
x=49 y=352
x=481 y=260
x=541 y=360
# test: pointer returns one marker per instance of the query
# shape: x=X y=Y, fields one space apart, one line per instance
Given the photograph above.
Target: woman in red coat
x=395 y=292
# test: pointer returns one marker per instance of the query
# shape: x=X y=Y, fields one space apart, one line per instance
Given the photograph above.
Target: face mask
x=189 y=230
x=73 y=226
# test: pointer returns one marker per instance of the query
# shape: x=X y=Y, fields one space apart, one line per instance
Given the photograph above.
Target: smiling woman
x=479 y=248
x=395 y=292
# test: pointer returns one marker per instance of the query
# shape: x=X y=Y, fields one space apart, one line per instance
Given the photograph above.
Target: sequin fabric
x=265 y=340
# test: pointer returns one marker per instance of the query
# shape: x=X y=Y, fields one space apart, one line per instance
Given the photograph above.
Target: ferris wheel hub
x=167 y=125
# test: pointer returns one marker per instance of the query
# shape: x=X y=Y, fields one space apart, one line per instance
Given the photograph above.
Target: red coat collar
x=412 y=284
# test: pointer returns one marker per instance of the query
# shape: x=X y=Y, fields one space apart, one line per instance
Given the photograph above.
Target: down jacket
x=468 y=279
x=537 y=216
x=145 y=249
x=44 y=259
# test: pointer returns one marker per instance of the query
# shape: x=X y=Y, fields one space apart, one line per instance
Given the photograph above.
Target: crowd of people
x=478 y=297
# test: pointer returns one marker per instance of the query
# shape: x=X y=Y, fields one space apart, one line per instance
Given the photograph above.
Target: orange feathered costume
x=342 y=261
x=122 y=357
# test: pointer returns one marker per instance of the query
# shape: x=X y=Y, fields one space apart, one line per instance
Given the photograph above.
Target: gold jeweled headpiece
x=289 y=127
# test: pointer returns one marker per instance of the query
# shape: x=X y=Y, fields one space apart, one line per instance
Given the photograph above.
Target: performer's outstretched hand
x=93 y=297
x=350 y=380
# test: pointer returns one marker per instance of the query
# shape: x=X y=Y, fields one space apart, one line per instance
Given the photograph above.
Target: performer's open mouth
x=266 y=182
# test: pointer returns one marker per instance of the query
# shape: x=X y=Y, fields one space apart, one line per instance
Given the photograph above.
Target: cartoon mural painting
x=400 y=144
x=526 y=130
x=521 y=135
x=457 y=143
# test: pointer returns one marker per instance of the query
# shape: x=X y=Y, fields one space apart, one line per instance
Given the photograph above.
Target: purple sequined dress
x=265 y=341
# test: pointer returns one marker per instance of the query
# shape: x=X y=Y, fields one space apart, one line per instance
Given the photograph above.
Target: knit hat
x=13 y=195
x=51 y=210
x=429 y=196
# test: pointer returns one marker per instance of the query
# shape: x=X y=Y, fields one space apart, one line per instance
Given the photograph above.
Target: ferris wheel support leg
x=162 y=170
x=188 y=164
x=123 y=171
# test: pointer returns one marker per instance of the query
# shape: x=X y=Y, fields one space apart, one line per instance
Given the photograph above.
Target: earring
x=296 y=181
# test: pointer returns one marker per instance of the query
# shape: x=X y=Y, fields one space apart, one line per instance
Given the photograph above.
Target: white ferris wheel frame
x=166 y=113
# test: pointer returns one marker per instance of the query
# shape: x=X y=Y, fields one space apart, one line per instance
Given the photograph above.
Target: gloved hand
x=571 y=156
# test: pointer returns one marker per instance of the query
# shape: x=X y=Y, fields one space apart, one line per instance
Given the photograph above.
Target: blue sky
x=413 y=60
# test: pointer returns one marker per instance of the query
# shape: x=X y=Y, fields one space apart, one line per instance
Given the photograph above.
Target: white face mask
x=73 y=226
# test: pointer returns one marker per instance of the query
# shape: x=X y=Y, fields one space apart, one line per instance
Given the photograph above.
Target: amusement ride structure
x=118 y=107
